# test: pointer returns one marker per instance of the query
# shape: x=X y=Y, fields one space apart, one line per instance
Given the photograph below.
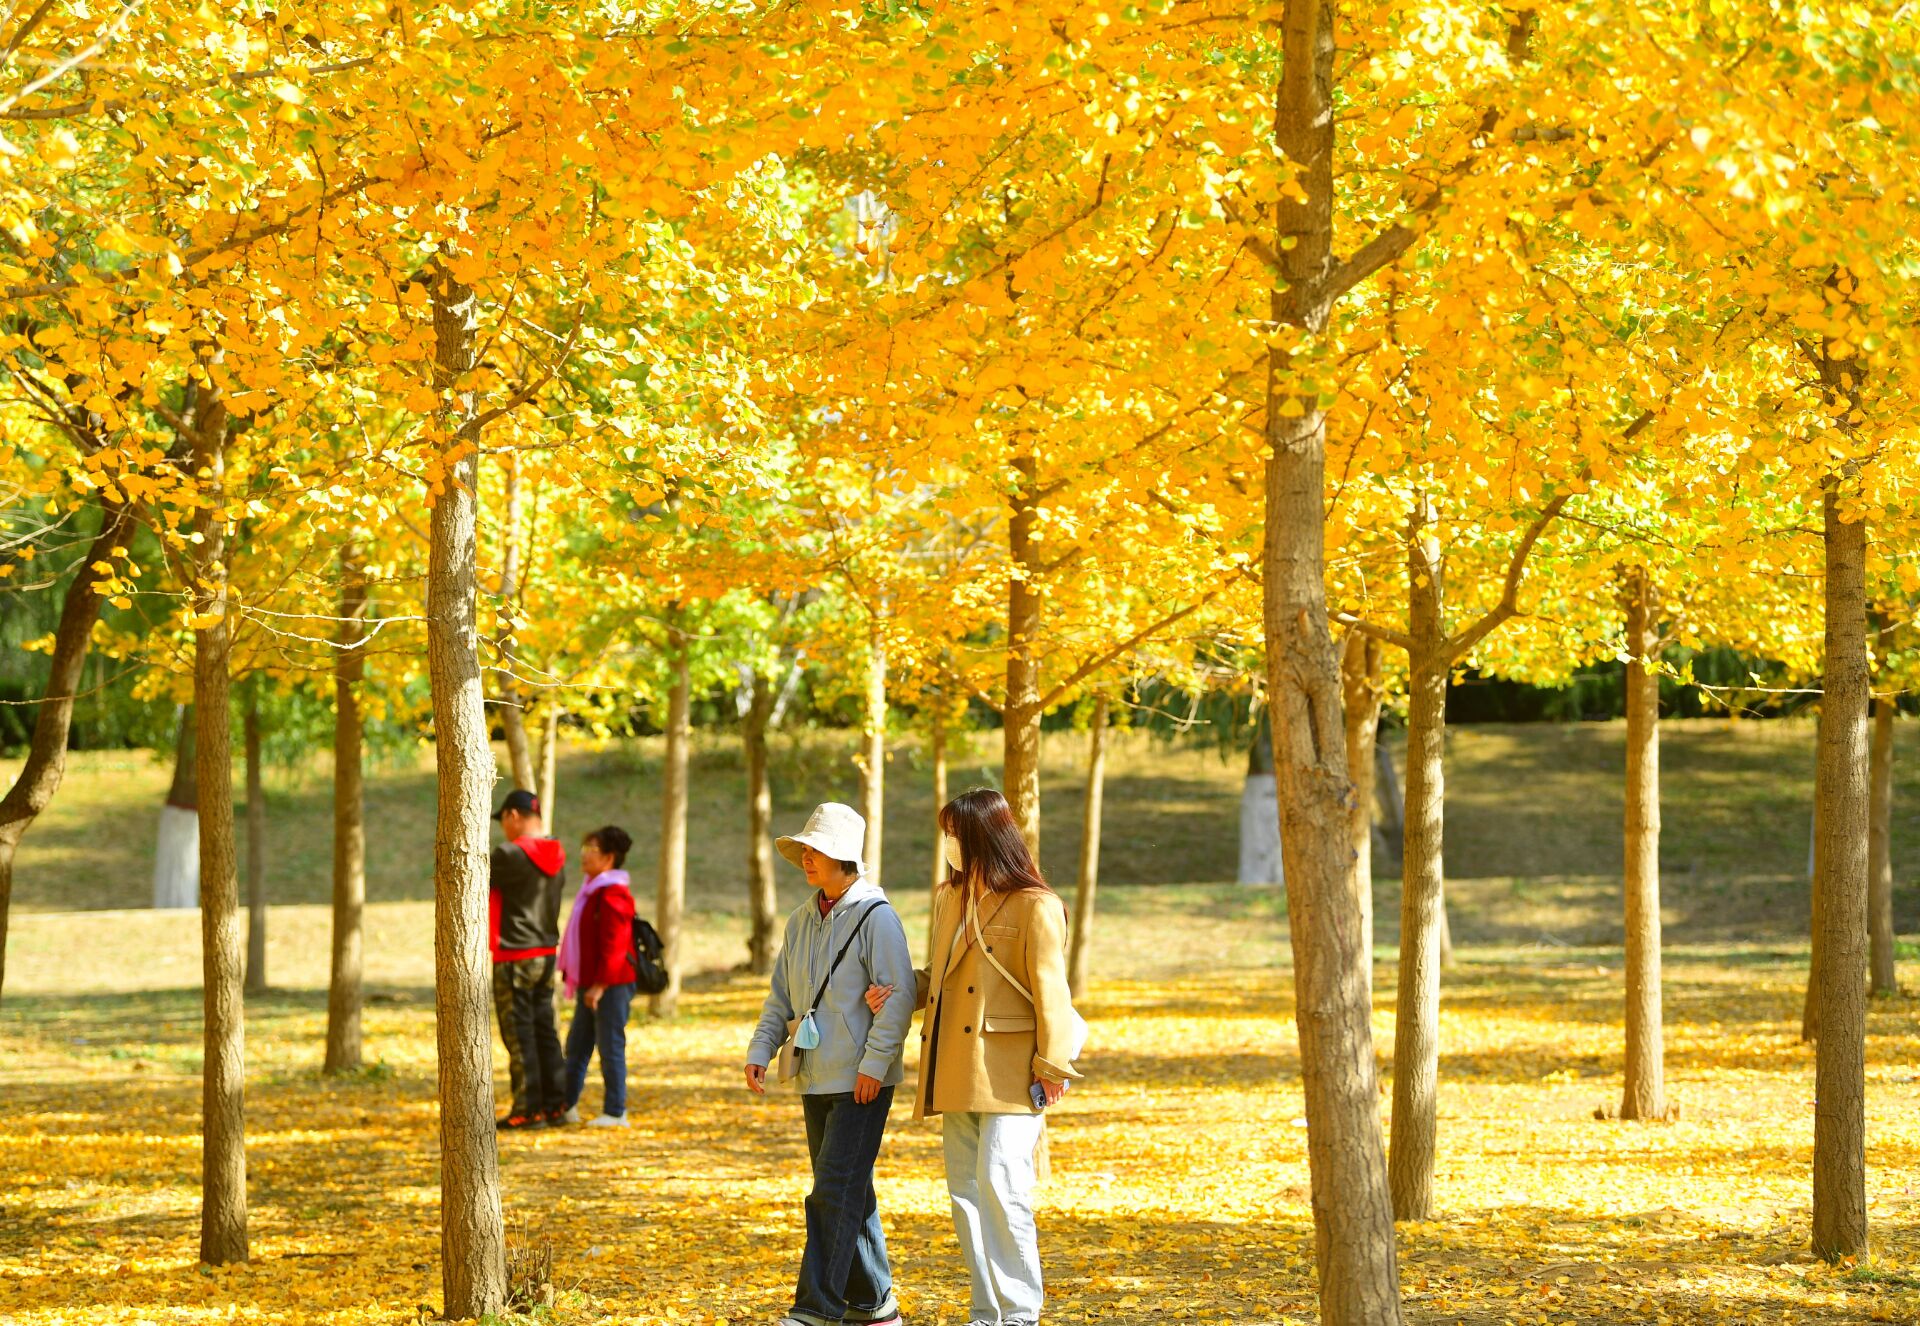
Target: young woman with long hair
x=996 y=1045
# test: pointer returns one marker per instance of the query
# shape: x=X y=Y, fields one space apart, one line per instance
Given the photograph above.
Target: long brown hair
x=990 y=841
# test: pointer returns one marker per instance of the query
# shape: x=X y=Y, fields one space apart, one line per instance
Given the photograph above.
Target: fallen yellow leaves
x=1180 y=1188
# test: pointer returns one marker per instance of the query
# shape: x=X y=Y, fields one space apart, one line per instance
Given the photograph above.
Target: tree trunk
x=673 y=827
x=46 y=762
x=550 y=767
x=1839 y=1115
x=762 y=898
x=1880 y=852
x=1416 y=1023
x=1020 y=749
x=1389 y=804
x=256 y=847
x=1359 y=1278
x=873 y=750
x=349 y=824
x=1362 y=684
x=938 y=741
x=1645 y=1092
x=176 y=856
x=473 y=1268
x=1080 y=945
x=513 y=697
x=223 y=1168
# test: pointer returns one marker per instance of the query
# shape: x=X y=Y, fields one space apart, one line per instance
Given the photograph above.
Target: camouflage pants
x=523 y=1002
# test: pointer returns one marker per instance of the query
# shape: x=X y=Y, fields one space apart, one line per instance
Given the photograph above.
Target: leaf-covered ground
x=1180 y=1191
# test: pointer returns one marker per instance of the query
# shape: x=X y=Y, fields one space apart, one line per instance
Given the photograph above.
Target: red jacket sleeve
x=608 y=946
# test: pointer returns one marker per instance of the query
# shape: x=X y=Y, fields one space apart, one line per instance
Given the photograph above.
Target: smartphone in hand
x=1039 y=1095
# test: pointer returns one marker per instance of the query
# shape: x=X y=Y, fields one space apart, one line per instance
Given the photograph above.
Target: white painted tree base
x=176 y=860
x=1260 y=862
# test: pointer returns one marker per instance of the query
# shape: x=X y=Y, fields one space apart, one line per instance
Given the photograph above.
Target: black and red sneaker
x=518 y=1120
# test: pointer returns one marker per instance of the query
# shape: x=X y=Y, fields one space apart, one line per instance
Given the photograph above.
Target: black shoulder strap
x=827 y=980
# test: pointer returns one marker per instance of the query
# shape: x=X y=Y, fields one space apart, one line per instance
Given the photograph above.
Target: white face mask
x=951 y=845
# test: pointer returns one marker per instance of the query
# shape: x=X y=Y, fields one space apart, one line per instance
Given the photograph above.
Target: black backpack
x=649 y=970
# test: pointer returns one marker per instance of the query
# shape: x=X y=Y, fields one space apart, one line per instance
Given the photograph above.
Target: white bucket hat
x=834 y=831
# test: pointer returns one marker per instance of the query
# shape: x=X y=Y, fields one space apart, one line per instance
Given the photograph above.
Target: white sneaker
x=572 y=1115
x=608 y=1121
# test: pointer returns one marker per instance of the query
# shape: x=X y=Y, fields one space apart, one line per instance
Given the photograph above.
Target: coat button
x=969 y=989
x=966 y=1029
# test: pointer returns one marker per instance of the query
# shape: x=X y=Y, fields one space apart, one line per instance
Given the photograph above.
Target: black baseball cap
x=520 y=800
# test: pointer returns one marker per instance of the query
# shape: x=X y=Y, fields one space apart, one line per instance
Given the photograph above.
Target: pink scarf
x=570 y=941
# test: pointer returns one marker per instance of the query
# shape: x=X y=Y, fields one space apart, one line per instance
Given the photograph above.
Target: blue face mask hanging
x=807 y=1035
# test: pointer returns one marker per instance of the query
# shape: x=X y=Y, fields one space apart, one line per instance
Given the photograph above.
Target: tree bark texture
x=762 y=898
x=513 y=696
x=1644 y=1095
x=1020 y=727
x=223 y=1167
x=1362 y=685
x=46 y=763
x=1839 y=1113
x=344 y=982
x=1416 y=1024
x=472 y=1237
x=256 y=846
x=673 y=828
x=873 y=750
x=1359 y=1277
x=1880 y=853
x=1080 y=947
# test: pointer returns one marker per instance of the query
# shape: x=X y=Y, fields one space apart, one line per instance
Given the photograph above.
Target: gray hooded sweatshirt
x=853 y=1040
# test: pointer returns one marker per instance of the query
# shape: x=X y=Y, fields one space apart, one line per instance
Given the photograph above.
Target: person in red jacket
x=596 y=962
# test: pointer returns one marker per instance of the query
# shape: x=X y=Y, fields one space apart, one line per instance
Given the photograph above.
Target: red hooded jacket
x=606 y=938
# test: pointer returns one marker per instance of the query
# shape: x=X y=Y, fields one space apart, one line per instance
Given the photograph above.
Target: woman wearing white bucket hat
x=846 y=1061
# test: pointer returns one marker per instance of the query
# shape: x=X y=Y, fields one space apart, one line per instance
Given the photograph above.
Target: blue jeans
x=843 y=1273
x=606 y=1031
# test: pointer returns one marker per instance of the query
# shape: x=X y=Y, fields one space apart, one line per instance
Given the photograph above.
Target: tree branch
x=1093 y=665
x=1455 y=646
x=1386 y=635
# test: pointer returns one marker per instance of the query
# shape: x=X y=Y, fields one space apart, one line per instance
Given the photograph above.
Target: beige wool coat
x=982 y=1043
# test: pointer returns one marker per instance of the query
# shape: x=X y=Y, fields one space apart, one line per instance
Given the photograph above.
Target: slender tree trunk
x=46 y=762
x=1359 y=1277
x=472 y=1239
x=1645 y=1093
x=1080 y=945
x=176 y=858
x=513 y=696
x=256 y=846
x=349 y=824
x=762 y=900
x=550 y=767
x=673 y=827
x=223 y=1169
x=1839 y=1115
x=1020 y=750
x=1880 y=852
x=1362 y=684
x=1416 y=1024
x=1445 y=941
x=938 y=741
x=873 y=750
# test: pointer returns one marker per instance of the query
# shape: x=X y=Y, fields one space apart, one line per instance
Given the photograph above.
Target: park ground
x=1180 y=1187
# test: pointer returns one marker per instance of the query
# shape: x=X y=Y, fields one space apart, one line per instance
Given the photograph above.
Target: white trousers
x=990 y=1178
